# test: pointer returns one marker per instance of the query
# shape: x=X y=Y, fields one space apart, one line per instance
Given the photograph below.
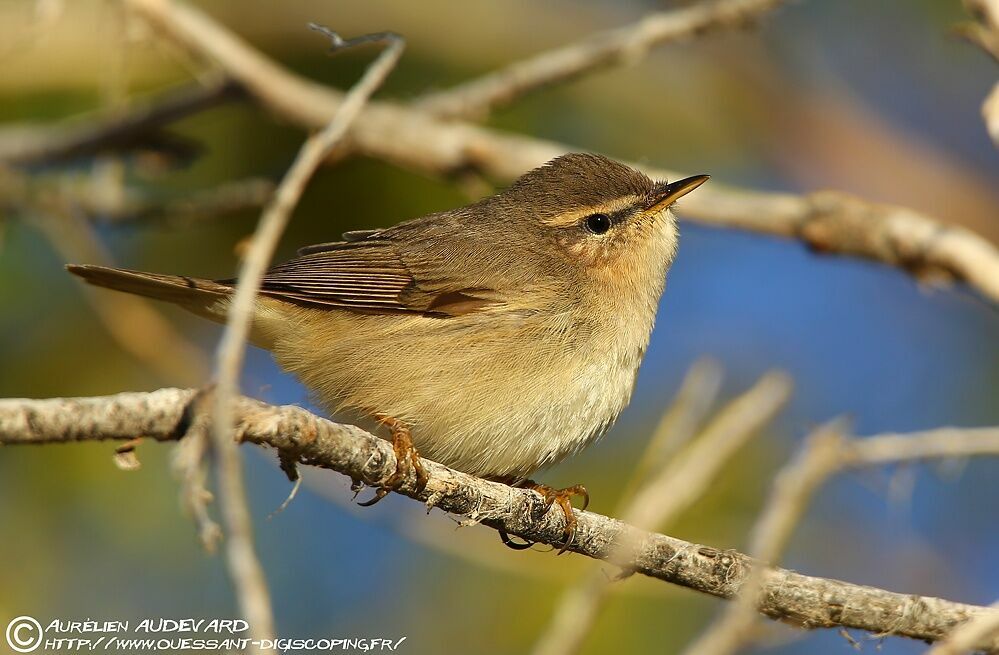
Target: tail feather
x=197 y=295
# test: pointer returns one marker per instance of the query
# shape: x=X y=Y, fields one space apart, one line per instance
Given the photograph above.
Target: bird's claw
x=407 y=460
x=564 y=499
x=551 y=496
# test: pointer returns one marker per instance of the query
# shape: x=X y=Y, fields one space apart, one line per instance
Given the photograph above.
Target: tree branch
x=112 y=130
x=300 y=436
x=828 y=221
x=477 y=98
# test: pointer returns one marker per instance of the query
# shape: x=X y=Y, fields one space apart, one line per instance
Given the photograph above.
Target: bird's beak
x=666 y=194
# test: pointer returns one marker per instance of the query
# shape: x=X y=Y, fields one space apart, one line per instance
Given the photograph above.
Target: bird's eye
x=597 y=223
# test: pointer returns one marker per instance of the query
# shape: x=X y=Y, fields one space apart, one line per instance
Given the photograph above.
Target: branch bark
x=300 y=436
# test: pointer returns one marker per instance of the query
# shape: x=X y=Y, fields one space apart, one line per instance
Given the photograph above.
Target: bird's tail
x=203 y=297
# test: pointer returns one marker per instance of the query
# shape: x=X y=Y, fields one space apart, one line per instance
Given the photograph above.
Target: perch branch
x=830 y=222
x=806 y=601
x=476 y=98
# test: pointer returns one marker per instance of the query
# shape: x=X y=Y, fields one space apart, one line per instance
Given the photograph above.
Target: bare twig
x=678 y=425
x=788 y=500
x=303 y=437
x=212 y=203
x=984 y=32
x=990 y=113
x=189 y=466
x=824 y=454
x=967 y=637
x=247 y=574
x=828 y=221
x=688 y=476
x=941 y=443
x=662 y=499
x=477 y=98
x=23 y=193
x=115 y=129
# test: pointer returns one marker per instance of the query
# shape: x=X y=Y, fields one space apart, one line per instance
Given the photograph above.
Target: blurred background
x=875 y=98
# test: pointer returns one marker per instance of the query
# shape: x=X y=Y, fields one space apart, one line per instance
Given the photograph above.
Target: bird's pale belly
x=533 y=421
x=488 y=408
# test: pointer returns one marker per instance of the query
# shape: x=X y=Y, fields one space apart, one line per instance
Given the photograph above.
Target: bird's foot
x=564 y=499
x=407 y=460
x=551 y=496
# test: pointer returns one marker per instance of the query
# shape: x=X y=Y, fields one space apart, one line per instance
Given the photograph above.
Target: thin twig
x=308 y=439
x=23 y=193
x=688 y=476
x=829 y=222
x=188 y=464
x=204 y=204
x=678 y=425
x=824 y=454
x=681 y=482
x=970 y=635
x=477 y=98
x=116 y=129
x=941 y=443
x=245 y=569
x=789 y=498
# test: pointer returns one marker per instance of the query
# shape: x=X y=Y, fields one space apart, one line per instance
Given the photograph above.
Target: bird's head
x=609 y=220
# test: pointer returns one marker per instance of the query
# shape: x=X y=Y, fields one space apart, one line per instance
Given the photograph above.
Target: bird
x=497 y=338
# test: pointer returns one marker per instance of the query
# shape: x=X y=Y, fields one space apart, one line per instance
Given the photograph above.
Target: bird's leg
x=406 y=459
x=551 y=496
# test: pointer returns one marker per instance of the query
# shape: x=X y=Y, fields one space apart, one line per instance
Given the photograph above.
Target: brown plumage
x=506 y=334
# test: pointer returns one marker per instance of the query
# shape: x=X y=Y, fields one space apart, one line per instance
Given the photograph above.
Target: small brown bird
x=496 y=338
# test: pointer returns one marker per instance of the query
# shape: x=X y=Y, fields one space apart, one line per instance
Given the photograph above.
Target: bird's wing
x=367 y=275
x=352 y=235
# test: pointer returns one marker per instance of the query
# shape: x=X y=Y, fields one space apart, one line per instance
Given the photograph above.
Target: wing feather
x=365 y=274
